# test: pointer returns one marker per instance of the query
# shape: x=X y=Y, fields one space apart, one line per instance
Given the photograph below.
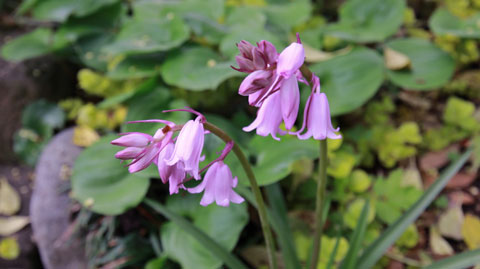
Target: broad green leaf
x=149 y=105
x=89 y=50
x=431 y=67
x=375 y=251
x=246 y=16
x=206 y=243
x=197 y=68
x=274 y=159
x=42 y=117
x=101 y=183
x=136 y=66
x=350 y=80
x=39 y=120
x=149 y=35
x=289 y=14
x=33 y=44
x=99 y=22
x=213 y=9
x=368 y=20
x=60 y=10
x=442 y=22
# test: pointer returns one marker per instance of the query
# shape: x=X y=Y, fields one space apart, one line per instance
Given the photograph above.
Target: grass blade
x=220 y=252
x=278 y=215
x=331 y=259
x=357 y=238
x=462 y=260
x=375 y=251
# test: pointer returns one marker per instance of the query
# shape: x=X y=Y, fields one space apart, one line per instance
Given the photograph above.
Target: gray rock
x=49 y=207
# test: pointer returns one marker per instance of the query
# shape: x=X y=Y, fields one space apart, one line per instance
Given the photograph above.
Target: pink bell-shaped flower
x=218 y=185
x=269 y=117
x=173 y=174
x=316 y=117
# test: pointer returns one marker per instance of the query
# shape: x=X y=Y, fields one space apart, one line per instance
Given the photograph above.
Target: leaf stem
x=262 y=211
x=320 y=197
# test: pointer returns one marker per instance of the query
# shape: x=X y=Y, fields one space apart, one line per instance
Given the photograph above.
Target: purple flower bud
x=290 y=60
x=269 y=52
x=244 y=64
x=132 y=140
x=255 y=81
x=258 y=59
x=218 y=185
x=245 y=49
x=269 y=117
x=128 y=153
x=188 y=147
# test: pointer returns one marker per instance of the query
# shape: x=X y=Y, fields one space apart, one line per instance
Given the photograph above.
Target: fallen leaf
x=84 y=136
x=439 y=245
x=395 y=60
x=471 y=231
x=411 y=177
x=450 y=222
x=9 y=248
x=11 y=225
x=461 y=180
x=313 y=55
x=9 y=198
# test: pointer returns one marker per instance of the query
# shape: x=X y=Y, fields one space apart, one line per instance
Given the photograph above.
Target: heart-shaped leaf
x=197 y=68
x=33 y=44
x=148 y=35
x=224 y=225
x=431 y=67
x=101 y=183
x=368 y=20
x=350 y=80
x=443 y=22
x=54 y=10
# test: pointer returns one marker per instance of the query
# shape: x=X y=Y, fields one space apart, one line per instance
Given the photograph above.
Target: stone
x=50 y=208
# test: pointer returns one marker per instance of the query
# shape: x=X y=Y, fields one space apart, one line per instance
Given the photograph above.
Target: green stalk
x=321 y=185
x=262 y=211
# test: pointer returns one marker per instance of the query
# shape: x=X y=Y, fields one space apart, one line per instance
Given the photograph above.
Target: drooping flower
x=269 y=117
x=173 y=174
x=141 y=148
x=188 y=147
x=316 y=117
x=218 y=185
x=279 y=76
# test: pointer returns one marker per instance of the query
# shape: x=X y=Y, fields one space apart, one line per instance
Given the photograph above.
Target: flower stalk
x=262 y=210
x=319 y=204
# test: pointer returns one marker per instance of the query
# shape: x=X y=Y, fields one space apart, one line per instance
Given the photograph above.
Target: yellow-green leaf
x=9 y=248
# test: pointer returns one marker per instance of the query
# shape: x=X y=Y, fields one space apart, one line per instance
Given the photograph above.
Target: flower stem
x=262 y=210
x=321 y=185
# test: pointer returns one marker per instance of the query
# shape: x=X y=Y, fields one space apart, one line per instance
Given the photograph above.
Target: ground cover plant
x=227 y=112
